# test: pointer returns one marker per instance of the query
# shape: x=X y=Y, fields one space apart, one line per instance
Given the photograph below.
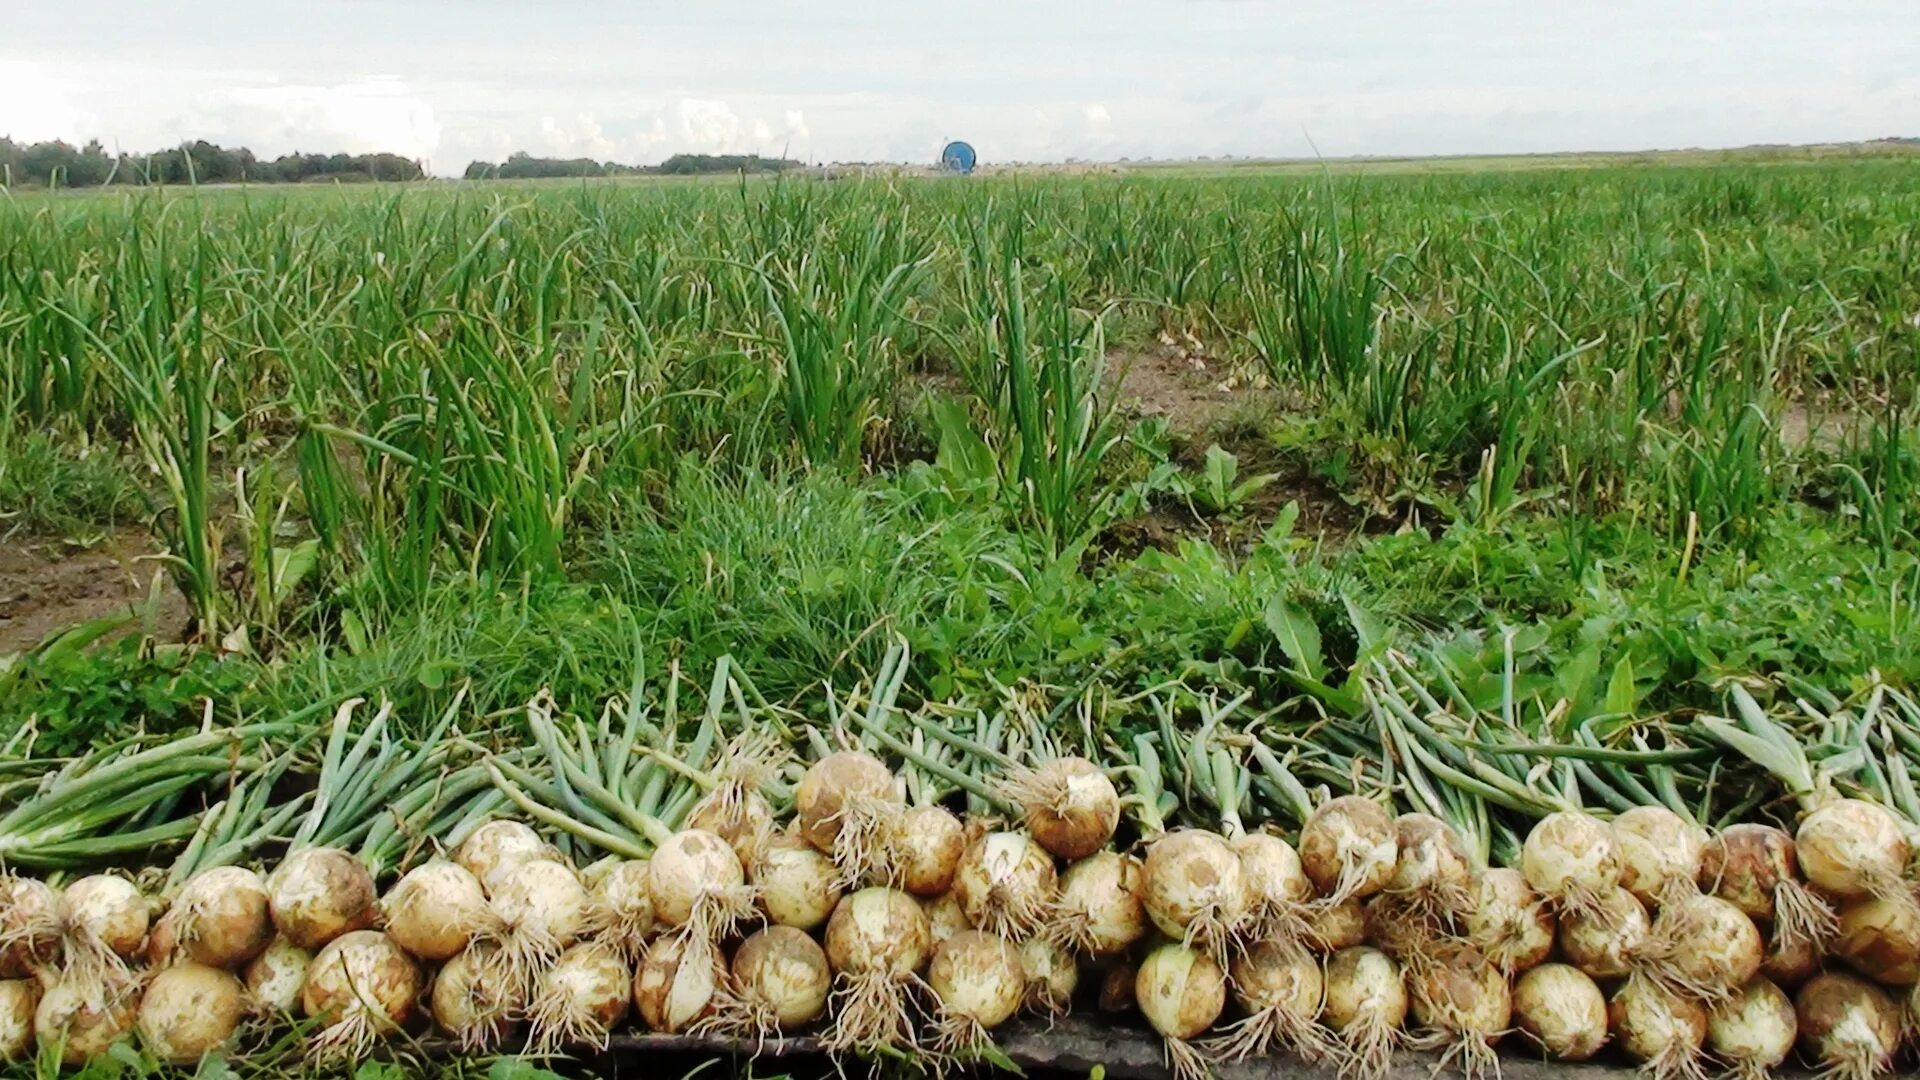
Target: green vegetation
x=1654 y=417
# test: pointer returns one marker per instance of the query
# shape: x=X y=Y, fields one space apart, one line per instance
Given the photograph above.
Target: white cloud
x=358 y=117
x=708 y=125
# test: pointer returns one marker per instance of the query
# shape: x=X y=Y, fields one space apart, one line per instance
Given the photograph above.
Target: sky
x=452 y=81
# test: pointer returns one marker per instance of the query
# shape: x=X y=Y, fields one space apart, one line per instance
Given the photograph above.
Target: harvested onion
x=1433 y=875
x=1099 y=911
x=543 y=908
x=945 y=917
x=1607 y=939
x=1508 y=922
x=1561 y=1010
x=472 y=999
x=678 y=985
x=1196 y=890
x=1006 y=883
x=1280 y=895
x=1847 y=1025
x=1366 y=1007
x=1348 y=848
x=105 y=923
x=1181 y=991
x=1658 y=1029
x=797 y=885
x=978 y=982
x=1280 y=989
x=1659 y=854
x=1755 y=867
x=734 y=809
x=1855 y=850
x=1569 y=857
x=780 y=983
x=927 y=844
x=361 y=985
x=18 y=999
x=32 y=920
x=1332 y=927
x=81 y=1030
x=436 y=910
x=498 y=846
x=1465 y=1005
x=620 y=909
x=1880 y=938
x=579 y=998
x=876 y=941
x=274 y=978
x=846 y=806
x=222 y=917
x=1052 y=976
x=1753 y=1031
x=697 y=882
x=189 y=1010
x=317 y=894
x=1706 y=947
x=1071 y=808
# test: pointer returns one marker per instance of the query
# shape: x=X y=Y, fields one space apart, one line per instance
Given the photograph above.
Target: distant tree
x=53 y=163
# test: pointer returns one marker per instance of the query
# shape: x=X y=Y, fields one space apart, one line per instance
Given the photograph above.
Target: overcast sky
x=851 y=80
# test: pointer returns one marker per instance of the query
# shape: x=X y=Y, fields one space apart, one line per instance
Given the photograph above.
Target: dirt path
x=47 y=586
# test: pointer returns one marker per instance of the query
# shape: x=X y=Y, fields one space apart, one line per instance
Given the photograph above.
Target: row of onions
x=895 y=883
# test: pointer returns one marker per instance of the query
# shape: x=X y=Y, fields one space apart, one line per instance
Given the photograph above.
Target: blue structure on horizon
x=958 y=157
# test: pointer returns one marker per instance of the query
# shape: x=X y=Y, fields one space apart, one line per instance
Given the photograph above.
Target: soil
x=1200 y=396
x=47 y=586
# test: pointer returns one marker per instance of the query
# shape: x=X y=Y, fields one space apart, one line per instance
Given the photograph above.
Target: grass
x=411 y=438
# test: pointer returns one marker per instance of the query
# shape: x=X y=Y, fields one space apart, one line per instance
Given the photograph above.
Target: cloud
x=708 y=125
x=366 y=115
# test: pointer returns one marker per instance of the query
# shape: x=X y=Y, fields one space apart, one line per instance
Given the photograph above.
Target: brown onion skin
x=1828 y=1000
x=1745 y=863
x=1880 y=938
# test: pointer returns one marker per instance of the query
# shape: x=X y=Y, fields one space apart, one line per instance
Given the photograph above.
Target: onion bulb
x=697 y=882
x=733 y=809
x=780 y=982
x=679 y=983
x=222 y=918
x=1569 y=857
x=1790 y=963
x=1196 y=890
x=32 y=920
x=1755 y=867
x=1348 y=848
x=543 y=908
x=274 y=978
x=1508 y=922
x=1849 y=1026
x=1561 y=1010
x=1880 y=938
x=620 y=907
x=1432 y=872
x=1753 y=1031
x=189 y=1010
x=1706 y=948
x=18 y=999
x=498 y=846
x=579 y=998
x=1366 y=1007
x=1608 y=938
x=977 y=982
x=1181 y=991
x=106 y=923
x=1465 y=1004
x=1280 y=989
x=472 y=1000
x=361 y=985
x=876 y=941
x=845 y=806
x=1052 y=976
x=1855 y=850
x=80 y=1030
x=1278 y=890
x=1659 y=854
x=1006 y=883
x=316 y=894
x=1099 y=911
x=797 y=885
x=1658 y=1029
x=1332 y=927
x=927 y=844
x=1069 y=805
x=945 y=917
x=436 y=910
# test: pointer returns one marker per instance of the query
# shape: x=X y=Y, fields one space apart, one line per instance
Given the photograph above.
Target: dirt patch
x=1199 y=394
x=48 y=586
x=1815 y=426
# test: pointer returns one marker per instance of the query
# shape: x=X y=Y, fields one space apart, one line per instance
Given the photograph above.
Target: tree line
x=524 y=166
x=60 y=164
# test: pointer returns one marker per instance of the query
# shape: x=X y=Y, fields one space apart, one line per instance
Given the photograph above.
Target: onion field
x=1387 y=621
